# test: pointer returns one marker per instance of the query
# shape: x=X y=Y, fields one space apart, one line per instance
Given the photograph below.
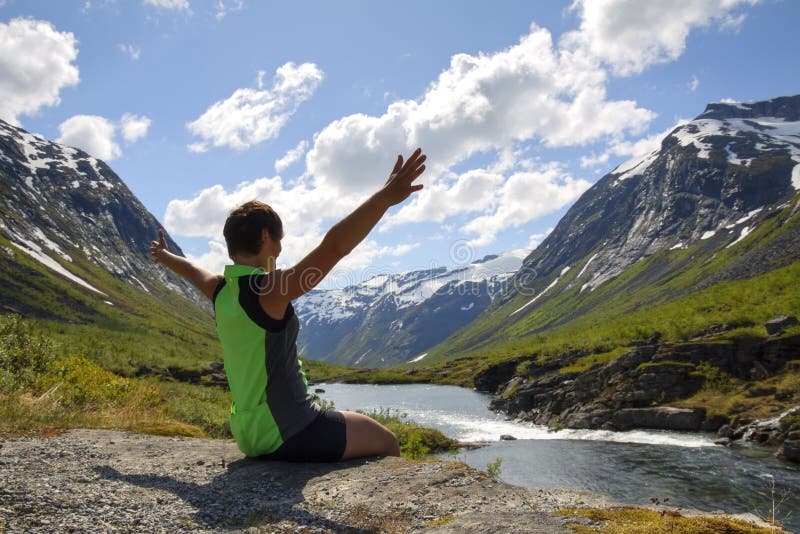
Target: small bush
x=412 y=447
x=493 y=468
x=415 y=441
x=24 y=355
x=715 y=378
x=80 y=383
x=524 y=368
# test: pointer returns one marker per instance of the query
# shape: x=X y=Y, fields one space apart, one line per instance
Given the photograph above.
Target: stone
x=714 y=422
x=725 y=431
x=665 y=418
x=507 y=437
x=790 y=450
x=778 y=324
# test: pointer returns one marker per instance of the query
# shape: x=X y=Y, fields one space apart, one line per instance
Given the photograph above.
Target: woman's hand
x=399 y=186
x=159 y=248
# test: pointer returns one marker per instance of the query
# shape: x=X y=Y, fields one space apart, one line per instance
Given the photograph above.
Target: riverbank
x=710 y=385
x=88 y=480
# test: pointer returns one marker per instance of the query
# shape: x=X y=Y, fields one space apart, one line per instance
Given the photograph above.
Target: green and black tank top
x=270 y=393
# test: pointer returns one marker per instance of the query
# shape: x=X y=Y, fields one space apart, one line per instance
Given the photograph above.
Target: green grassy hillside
x=137 y=328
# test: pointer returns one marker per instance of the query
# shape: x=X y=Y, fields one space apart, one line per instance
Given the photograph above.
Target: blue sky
x=521 y=106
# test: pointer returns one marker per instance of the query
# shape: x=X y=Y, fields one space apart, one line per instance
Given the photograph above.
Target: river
x=632 y=466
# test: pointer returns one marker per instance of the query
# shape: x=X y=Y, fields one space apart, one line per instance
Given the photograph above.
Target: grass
x=630 y=520
x=587 y=362
x=44 y=391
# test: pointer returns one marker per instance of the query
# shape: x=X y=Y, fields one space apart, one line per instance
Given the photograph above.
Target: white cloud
x=694 y=84
x=36 y=63
x=635 y=150
x=630 y=35
x=260 y=78
x=91 y=133
x=302 y=208
x=197 y=148
x=169 y=4
x=251 y=116
x=134 y=52
x=134 y=127
x=535 y=239
x=223 y=8
x=594 y=160
x=500 y=104
x=473 y=191
x=480 y=103
x=291 y=156
x=97 y=135
x=215 y=259
x=526 y=196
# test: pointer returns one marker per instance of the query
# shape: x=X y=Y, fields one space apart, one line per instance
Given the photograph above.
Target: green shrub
x=524 y=368
x=493 y=468
x=79 y=383
x=415 y=441
x=715 y=378
x=24 y=355
x=413 y=447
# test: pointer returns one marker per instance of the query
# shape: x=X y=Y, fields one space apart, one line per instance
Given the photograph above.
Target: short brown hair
x=244 y=225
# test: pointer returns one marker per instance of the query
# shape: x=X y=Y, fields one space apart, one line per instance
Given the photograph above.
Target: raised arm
x=343 y=237
x=205 y=281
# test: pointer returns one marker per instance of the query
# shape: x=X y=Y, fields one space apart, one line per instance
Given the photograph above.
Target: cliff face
x=710 y=177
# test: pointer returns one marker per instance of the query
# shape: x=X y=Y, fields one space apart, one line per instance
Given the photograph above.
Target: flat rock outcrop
x=103 y=480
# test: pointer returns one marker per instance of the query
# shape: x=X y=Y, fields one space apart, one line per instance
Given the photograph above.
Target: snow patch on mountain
x=586 y=266
x=537 y=297
x=35 y=251
x=418 y=358
x=744 y=233
x=774 y=133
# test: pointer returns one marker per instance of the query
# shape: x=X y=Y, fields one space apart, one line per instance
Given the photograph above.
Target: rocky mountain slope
x=691 y=214
x=74 y=248
x=394 y=318
x=59 y=204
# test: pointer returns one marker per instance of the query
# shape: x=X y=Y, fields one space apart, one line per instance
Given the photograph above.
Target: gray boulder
x=790 y=450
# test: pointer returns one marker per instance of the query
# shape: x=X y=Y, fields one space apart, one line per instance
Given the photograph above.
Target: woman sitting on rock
x=272 y=415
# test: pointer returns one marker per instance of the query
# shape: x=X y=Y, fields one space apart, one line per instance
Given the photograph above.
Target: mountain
x=74 y=248
x=717 y=202
x=393 y=318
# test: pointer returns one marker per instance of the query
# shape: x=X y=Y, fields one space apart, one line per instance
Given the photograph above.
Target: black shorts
x=323 y=440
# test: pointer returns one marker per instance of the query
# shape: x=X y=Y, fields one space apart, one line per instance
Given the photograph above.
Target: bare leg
x=367 y=437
